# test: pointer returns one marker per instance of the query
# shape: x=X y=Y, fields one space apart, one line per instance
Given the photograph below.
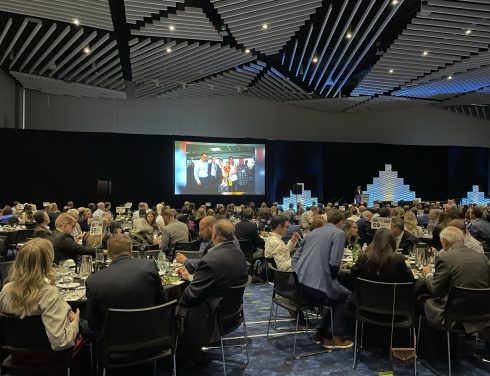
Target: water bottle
x=161 y=260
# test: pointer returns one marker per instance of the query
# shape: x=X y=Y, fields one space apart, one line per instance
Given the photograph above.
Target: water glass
x=68 y=278
x=432 y=261
x=85 y=267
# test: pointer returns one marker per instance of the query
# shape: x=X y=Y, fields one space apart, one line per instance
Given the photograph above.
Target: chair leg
x=175 y=366
x=331 y=326
x=223 y=353
x=155 y=369
x=246 y=338
x=449 y=353
x=68 y=372
x=415 y=362
x=91 y=360
x=362 y=333
x=295 y=336
x=417 y=340
x=476 y=341
x=355 y=346
x=306 y=322
x=270 y=316
x=103 y=372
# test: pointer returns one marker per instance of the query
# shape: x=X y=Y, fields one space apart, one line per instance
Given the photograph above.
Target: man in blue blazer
x=317 y=264
x=478 y=228
x=364 y=228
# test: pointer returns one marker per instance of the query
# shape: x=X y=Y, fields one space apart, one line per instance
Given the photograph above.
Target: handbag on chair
x=400 y=355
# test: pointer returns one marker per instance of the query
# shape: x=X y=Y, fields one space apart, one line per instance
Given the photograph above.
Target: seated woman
x=444 y=218
x=411 y=224
x=7 y=216
x=318 y=221
x=264 y=221
x=31 y=292
x=27 y=215
x=151 y=219
x=97 y=240
x=351 y=235
x=142 y=235
x=200 y=214
x=183 y=218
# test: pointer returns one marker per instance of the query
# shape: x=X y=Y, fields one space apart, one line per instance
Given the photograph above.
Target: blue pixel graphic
x=389 y=187
x=475 y=197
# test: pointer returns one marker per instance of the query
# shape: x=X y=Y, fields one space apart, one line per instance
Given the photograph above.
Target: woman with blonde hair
x=142 y=234
x=411 y=224
x=318 y=221
x=351 y=235
x=401 y=213
x=31 y=292
x=200 y=214
x=97 y=240
x=210 y=212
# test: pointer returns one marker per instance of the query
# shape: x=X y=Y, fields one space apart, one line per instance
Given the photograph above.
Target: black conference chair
x=28 y=336
x=193 y=246
x=230 y=316
x=487 y=253
x=30 y=225
x=142 y=341
x=23 y=235
x=290 y=297
x=4 y=272
x=465 y=305
x=152 y=254
x=192 y=255
x=248 y=251
x=377 y=298
x=3 y=242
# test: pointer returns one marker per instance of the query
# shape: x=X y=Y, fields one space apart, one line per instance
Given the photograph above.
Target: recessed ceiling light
x=425 y=53
x=169 y=49
x=349 y=35
x=394 y=2
x=247 y=51
x=215 y=149
x=264 y=26
x=450 y=78
x=468 y=31
x=86 y=50
x=315 y=60
x=76 y=22
x=171 y=27
x=391 y=70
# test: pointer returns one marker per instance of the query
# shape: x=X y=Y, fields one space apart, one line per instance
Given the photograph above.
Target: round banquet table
x=11 y=236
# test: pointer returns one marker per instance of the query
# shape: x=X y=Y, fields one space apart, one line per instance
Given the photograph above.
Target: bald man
x=100 y=210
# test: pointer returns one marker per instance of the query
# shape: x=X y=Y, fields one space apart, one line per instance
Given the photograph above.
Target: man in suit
x=317 y=264
x=364 y=228
x=433 y=219
x=65 y=247
x=77 y=230
x=130 y=283
x=456 y=266
x=215 y=176
x=357 y=194
x=291 y=215
x=247 y=230
x=404 y=239
x=478 y=228
x=222 y=267
x=41 y=230
x=424 y=219
x=113 y=225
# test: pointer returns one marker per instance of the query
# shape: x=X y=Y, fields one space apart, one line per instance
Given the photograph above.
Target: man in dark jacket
x=364 y=228
x=41 y=230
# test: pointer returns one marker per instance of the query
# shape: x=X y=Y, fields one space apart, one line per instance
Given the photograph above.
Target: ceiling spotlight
x=394 y=2
x=76 y=22
x=425 y=53
x=315 y=60
x=247 y=51
x=391 y=70
x=450 y=77
x=468 y=31
x=86 y=50
x=349 y=35
x=264 y=26
x=171 y=27
x=169 y=49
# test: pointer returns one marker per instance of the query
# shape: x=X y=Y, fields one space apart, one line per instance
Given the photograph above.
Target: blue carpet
x=274 y=357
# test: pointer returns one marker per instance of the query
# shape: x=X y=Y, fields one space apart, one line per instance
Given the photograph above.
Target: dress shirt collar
x=217 y=245
x=399 y=239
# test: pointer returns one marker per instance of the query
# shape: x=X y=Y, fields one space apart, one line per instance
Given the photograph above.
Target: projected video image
x=219 y=169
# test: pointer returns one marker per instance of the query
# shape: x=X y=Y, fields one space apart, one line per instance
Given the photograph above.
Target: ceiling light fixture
x=391 y=70
x=86 y=50
x=264 y=26
x=169 y=49
x=315 y=60
x=450 y=78
x=349 y=35
x=76 y=21
x=247 y=51
x=425 y=53
x=171 y=27
x=394 y=2
x=468 y=31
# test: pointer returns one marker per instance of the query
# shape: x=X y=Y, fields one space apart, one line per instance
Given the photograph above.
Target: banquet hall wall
x=58 y=167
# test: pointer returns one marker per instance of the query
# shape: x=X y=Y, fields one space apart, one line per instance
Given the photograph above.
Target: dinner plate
x=70 y=286
x=174 y=275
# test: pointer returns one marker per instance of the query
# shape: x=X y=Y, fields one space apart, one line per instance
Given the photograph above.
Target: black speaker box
x=104 y=187
x=296 y=189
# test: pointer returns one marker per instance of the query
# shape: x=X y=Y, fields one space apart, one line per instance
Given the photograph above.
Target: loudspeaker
x=104 y=187
x=296 y=189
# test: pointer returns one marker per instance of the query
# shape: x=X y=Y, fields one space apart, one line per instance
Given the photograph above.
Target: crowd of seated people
x=314 y=255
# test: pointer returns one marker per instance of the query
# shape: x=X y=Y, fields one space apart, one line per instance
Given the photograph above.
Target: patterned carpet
x=274 y=357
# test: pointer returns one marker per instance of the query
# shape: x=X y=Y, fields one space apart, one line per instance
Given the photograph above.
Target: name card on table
x=208 y=204
x=420 y=213
x=128 y=204
x=336 y=204
x=20 y=206
x=46 y=204
x=96 y=227
x=121 y=209
x=380 y=222
x=342 y=208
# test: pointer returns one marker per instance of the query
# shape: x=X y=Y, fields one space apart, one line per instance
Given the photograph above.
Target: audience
x=112 y=225
x=7 y=217
x=469 y=241
x=95 y=241
x=364 y=228
x=318 y=221
x=424 y=219
x=200 y=214
x=53 y=213
x=136 y=214
x=353 y=215
x=317 y=264
x=351 y=234
x=174 y=232
x=129 y=283
x=274 y=245
x=405 y=241
x=478 y=228
x=27 y=215
x=77 y=230
x=41 y=230
x=307 y=216
x=411 y=225
x=142 y=235
x=100 y=210
x=221 y=214
x=151 y=219
x=290 y=214
x=433 y=219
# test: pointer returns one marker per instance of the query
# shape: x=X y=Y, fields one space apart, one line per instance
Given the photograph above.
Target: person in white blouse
x=275 y=247
x=38 y=296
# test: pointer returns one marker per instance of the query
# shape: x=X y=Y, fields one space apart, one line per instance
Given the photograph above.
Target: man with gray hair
x=112 y=225
x=77 y=231
x=100 y=210
x=457 y=266
x=307 y=216
x=222 y=267
x=433 y=219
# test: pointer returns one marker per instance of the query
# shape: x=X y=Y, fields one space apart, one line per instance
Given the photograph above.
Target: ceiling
x=330 y=55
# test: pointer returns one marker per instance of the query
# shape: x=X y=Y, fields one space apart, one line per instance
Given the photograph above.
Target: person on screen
x=232 y=176
x=243 y=174
x=201 y=174
x=215 y=176
x=223 y=187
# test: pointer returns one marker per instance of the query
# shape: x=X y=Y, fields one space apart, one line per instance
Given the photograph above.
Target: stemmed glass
x=85 y=268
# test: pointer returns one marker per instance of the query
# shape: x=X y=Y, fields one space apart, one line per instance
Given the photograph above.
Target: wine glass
x=67 y=279
x=85 y=268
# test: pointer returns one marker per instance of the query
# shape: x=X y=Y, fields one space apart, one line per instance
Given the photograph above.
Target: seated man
x=291 y=230
x=65 y=247
x=424 y=219
x=433 y=219
x=77 y=230
x=113 y=226
x=100 y=210
x=307 y=216
x=222 y=267
x=221 y=213
x=469 y=241
x=141 y=206
x=457 y=266
x=129 y=283
x=404 y=239
x=317 y=264
x=41 y=230
x=275 y=247
x=478 y=228
x=247 y=230
x=174 y=232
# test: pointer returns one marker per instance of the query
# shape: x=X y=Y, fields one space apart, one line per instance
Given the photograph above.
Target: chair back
x=4 y=272
x=271 y=261
x=192 y=246
x=31 y=225
x=152 y=247
x=247 y=249
x=153 y=254
x=377 y=297
x=23 y=235
x=3 y=242
x=149 y=327
x=465 y=304
x=230 y=309
x=485 y=242
x=192 y=255
x=286 y=284
x=487 y=253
